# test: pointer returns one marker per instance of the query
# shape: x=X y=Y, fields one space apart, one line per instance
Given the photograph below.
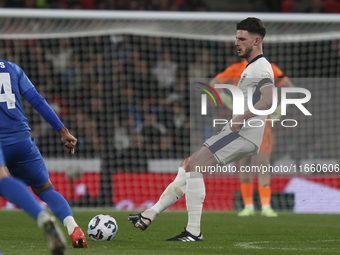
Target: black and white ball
x=102 y=227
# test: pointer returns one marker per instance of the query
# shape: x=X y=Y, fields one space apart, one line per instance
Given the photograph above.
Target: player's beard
x=246 y=53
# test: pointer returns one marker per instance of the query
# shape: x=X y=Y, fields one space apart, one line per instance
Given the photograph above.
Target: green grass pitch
x=224 y=233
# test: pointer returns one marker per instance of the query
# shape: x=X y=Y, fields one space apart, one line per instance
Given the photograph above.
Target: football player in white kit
x=231 y=144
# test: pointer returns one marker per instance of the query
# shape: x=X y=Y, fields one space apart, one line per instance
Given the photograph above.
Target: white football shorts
x=229 y=146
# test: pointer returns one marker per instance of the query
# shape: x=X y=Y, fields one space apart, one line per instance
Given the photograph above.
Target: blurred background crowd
x=303 y=6
x=127 y=96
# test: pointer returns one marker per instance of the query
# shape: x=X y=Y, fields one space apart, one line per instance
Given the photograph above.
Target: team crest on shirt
x=265 y=76
x=242 y=79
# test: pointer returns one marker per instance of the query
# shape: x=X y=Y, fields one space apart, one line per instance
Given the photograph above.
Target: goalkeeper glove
x=276 y=114
x=227 y=100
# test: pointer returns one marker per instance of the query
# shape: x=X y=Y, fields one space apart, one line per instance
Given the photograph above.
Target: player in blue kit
x=22 y=156
x=16 y=192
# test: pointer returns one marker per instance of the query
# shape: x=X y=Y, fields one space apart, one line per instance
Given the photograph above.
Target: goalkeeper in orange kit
x=231 y=75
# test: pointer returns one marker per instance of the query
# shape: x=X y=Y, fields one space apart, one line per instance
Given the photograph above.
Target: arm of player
x=39 y=103
x=263 y=104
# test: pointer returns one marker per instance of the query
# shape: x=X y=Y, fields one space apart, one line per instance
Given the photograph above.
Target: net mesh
x=121 y=86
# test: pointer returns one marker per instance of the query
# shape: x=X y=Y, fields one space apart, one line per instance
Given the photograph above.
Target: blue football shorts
x=25 y=162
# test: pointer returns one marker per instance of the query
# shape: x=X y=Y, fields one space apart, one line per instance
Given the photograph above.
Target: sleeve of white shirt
x=264 y=75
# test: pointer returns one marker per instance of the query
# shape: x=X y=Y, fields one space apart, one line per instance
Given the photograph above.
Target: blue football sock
x=17 y=193
x=57 y=203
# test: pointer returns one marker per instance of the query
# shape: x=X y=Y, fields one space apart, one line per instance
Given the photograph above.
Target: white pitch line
x=253 y=245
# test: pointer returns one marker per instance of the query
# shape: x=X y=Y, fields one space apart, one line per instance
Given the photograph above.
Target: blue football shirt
x=13 y=121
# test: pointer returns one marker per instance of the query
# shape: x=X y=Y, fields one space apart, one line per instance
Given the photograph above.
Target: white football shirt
x=258 y=74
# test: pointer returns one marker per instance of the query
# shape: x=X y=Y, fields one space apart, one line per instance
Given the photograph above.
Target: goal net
x=120 y=81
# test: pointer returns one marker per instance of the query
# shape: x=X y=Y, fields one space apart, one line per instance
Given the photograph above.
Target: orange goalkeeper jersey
x=232 y=75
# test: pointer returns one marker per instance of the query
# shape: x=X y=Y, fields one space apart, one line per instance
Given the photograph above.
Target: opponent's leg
x=61 y=209
x=246 y=189
x=264 y=185
x=53 y=234
x=17 y=193
x=25 y=162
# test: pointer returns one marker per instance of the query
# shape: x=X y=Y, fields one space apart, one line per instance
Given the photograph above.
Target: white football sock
x=70 y=224
x=195 y=194
x=150 y=214
x=171 y=194
x=42 y=218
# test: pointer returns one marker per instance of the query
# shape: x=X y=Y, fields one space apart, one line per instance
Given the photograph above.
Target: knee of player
x=39 y=190
x=186 y=164
x=3 y=172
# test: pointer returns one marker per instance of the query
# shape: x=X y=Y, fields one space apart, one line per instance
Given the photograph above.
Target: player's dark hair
x=252 y=25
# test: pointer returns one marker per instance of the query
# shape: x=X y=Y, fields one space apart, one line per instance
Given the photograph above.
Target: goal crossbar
x=44 y=24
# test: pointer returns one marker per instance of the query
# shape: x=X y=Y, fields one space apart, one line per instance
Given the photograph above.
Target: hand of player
x=235 y=124
x=68 y=140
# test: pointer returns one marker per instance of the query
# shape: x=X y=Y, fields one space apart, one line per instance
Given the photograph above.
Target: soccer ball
x=102 y=227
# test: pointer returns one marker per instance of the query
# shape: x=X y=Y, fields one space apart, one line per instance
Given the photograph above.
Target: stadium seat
x=331 y=6
x=87 y=4
x=287 y=5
